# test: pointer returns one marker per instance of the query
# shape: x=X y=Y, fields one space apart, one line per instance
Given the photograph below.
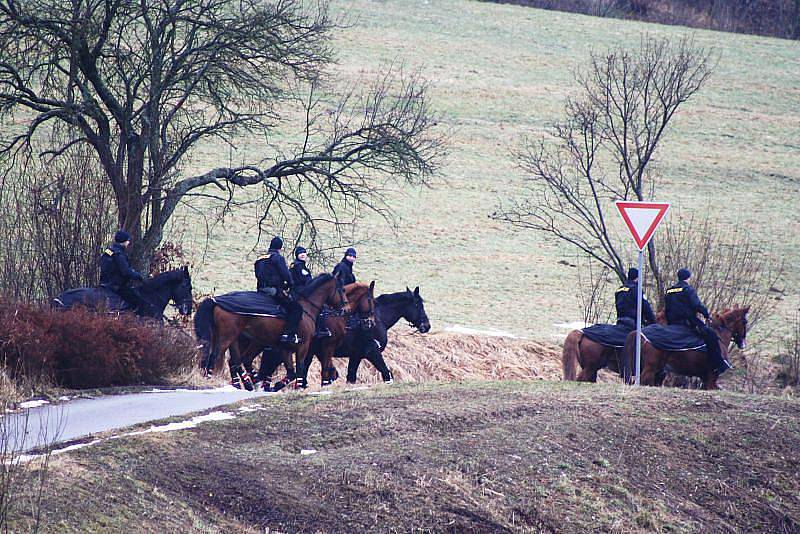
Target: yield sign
x=642 y=219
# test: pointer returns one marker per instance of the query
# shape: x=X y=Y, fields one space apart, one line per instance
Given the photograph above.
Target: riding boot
x=718 y=363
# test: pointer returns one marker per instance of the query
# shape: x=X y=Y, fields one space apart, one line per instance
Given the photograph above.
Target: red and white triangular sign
x=642 y=218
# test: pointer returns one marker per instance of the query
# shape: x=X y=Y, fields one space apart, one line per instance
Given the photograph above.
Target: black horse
x=389 y=309
x=156 y=293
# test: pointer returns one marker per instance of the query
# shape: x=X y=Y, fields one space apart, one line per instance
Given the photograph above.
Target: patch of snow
x=306 y=452
x=64 y=398
x=572 y=326
x=359 y=388
x=458 y=329
x=33 y=404
x=247 y=409
x=191 y=423
x=25 y=458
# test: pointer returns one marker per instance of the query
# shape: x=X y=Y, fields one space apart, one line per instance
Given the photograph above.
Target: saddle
x=674 y=338
x=253 y=303
x=610 y=335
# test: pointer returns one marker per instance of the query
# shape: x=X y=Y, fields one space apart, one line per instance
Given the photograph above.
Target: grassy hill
x=498 y=72
x=500 y=457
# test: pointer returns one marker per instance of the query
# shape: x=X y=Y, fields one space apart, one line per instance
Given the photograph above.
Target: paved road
x=36 y=427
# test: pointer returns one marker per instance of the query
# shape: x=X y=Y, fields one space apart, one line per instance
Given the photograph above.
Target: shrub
x=81 y=349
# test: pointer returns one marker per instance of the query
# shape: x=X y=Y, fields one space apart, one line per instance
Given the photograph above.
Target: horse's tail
x=204 y=330
x=571 y=354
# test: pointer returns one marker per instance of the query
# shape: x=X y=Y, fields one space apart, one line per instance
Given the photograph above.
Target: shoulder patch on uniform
x=263 y=258
x=623 y=288
x=108 y=252
x=675 y=290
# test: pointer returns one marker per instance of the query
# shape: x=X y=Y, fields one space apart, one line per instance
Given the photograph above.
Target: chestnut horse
x=219 y=330
x=592 y=356
x=730 y=325
x=324 y=348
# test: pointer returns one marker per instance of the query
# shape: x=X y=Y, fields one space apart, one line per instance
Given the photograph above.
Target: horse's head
x=337 y=298
x=414 y=311
x=362 y=301
x=181 y=293
x=735 y=320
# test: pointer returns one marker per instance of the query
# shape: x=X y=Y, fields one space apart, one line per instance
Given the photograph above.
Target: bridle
x=339 y=311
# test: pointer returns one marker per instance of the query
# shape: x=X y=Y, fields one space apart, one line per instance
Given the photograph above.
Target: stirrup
x=290 y=339
x=323 y=332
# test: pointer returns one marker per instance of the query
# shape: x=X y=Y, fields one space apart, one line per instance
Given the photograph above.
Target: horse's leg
x=352 y=369
x=376 y=359
x=652 y=363
x=589 y=358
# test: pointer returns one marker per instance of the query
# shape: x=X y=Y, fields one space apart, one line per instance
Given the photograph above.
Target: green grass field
x=499 y=72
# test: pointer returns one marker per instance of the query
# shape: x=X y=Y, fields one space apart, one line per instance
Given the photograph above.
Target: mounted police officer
x=116 y=273
x=682 y=306
x=344 y=269
x=301 y=275
x=625 y=300
x=275 y=280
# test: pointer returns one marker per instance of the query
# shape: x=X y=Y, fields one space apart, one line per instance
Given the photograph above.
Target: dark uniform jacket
x=115 y=270
x=300 y=273
x=682 y=305
x=271 y=271
x=344 y=269
x=625 y=299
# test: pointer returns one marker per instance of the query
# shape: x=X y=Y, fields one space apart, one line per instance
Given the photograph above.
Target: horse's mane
x=730 y=313
x=165 y=278
x=314 y=284
x=388 y=298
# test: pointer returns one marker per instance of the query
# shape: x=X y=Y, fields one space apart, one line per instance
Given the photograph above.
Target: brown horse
x=360 y=300
x=363 y=304
x=592 y=356
x=219 y=330
x=730 y=325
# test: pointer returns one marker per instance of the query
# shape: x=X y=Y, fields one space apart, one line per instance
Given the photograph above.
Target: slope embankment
x=469 y=456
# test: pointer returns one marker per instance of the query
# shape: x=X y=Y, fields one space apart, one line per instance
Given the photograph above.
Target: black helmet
x=276 y=243
x=684 y=274
x=633 y=274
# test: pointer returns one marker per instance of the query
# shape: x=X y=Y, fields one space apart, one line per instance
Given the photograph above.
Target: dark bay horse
x=730 y=325
x=389 y=309
x=219 y=330
x=171 y=286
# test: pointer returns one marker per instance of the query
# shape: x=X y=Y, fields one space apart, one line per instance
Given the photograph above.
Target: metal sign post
x=642 y=219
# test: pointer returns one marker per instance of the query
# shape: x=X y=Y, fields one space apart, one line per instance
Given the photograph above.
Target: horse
x=156 y=292
x=591 y=355
x=389 y=309
x=219 y=330
x=361 y=301
x=730 y=325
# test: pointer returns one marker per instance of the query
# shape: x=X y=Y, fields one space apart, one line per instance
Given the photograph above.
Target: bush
x=81 y=349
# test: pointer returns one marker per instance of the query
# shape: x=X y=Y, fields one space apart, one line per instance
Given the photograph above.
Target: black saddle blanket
x=609 y=335
x=94 y=298
x=250 y=303
x=674 y=337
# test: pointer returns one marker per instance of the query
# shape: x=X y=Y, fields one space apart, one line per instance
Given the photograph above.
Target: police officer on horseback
x=116 y=273
x=682 y=306
x=275 y=280
x=301 y=275
x=625 y=300
x=344 y=269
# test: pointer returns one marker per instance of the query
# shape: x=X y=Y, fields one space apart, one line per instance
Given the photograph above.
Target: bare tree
x=144 y=82
x=604 y=148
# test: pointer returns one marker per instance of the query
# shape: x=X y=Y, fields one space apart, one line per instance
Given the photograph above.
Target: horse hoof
x=236 y=384
x=389 y=382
